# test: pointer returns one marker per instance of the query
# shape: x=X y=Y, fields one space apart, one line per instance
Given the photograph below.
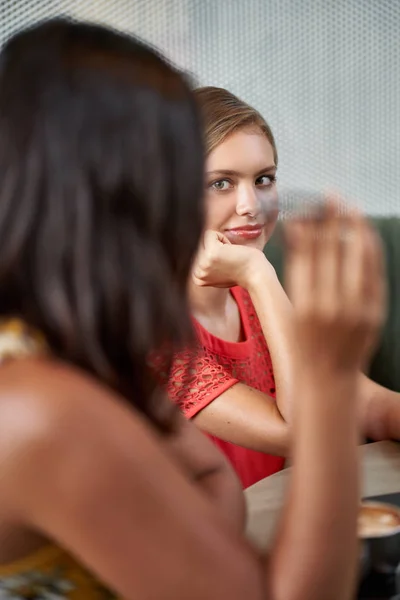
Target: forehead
x=244 y=151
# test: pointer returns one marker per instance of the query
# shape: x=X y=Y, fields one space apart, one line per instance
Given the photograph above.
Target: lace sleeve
x=196 y=379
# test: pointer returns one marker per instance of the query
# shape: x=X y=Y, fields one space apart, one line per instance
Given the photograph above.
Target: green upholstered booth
x=385 y=368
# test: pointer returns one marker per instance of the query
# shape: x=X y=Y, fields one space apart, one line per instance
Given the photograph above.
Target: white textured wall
x=325 y=73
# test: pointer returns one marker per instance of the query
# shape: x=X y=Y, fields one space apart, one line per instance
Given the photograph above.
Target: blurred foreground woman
x=105 y=488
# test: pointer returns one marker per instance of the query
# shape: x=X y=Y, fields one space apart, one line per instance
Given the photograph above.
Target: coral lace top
x=198 y=377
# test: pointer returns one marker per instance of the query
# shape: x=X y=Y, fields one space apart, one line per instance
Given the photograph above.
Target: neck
x=207 y=301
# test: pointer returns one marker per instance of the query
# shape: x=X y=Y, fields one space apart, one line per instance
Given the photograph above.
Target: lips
x=247 y=232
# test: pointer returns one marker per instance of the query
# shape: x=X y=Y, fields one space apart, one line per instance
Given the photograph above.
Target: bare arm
x=209 y=470
x=338 y=292
x=323 y=459
x=247 y=417
x=380 y=411
x=379 y=406
x=275 y=313
x=324 y=484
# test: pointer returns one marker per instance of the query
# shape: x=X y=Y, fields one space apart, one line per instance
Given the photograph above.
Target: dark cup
x=397 y=580
x=365 y=562
x=383 y=547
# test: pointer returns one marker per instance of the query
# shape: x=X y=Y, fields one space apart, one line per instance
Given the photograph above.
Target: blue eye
x=266 y=180
x=221 y=186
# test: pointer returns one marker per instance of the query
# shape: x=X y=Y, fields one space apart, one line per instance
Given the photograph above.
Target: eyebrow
x=269 y=169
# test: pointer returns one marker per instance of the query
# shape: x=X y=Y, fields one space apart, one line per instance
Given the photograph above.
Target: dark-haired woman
x=105 y=489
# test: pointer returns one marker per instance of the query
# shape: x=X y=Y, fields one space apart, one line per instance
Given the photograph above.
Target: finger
x=299 y=263
x=328 y=257
x=197 y=281
x=213 y=238
x=222 y=238
x=375 y=280
x=353 y=265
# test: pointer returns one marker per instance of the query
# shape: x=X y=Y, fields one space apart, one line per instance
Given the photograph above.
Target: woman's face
x=241 y=198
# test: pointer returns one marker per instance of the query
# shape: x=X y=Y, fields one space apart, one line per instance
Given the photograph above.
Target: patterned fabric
x=50 y=573
x=199 y=376
x=18 y=340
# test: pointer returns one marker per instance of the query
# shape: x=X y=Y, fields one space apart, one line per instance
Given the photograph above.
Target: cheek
x=218 y=211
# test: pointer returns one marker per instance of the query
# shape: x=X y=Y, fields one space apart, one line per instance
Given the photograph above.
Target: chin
x=258 y=244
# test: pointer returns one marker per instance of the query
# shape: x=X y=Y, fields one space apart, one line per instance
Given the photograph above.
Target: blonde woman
x=242 y=387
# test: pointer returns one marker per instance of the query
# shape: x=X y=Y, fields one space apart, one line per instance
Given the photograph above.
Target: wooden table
x=381 y=475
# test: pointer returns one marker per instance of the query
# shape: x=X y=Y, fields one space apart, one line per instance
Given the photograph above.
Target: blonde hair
x=223 y=113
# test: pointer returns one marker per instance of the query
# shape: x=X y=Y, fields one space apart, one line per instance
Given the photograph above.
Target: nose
x=248 y=202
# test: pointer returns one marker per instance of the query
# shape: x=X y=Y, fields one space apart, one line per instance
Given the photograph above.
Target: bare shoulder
x=36 y=395
x=50 y=412
x=65 y=436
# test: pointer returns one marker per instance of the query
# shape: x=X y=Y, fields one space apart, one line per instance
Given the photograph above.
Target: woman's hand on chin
x=222 y=264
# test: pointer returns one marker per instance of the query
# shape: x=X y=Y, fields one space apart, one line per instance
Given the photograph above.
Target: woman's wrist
x=316 y=383
x=259 y=272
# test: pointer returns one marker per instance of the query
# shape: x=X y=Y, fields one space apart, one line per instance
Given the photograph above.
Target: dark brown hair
x=101 y=181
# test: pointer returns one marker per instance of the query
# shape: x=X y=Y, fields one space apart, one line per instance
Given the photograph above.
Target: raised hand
x=336 y=281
